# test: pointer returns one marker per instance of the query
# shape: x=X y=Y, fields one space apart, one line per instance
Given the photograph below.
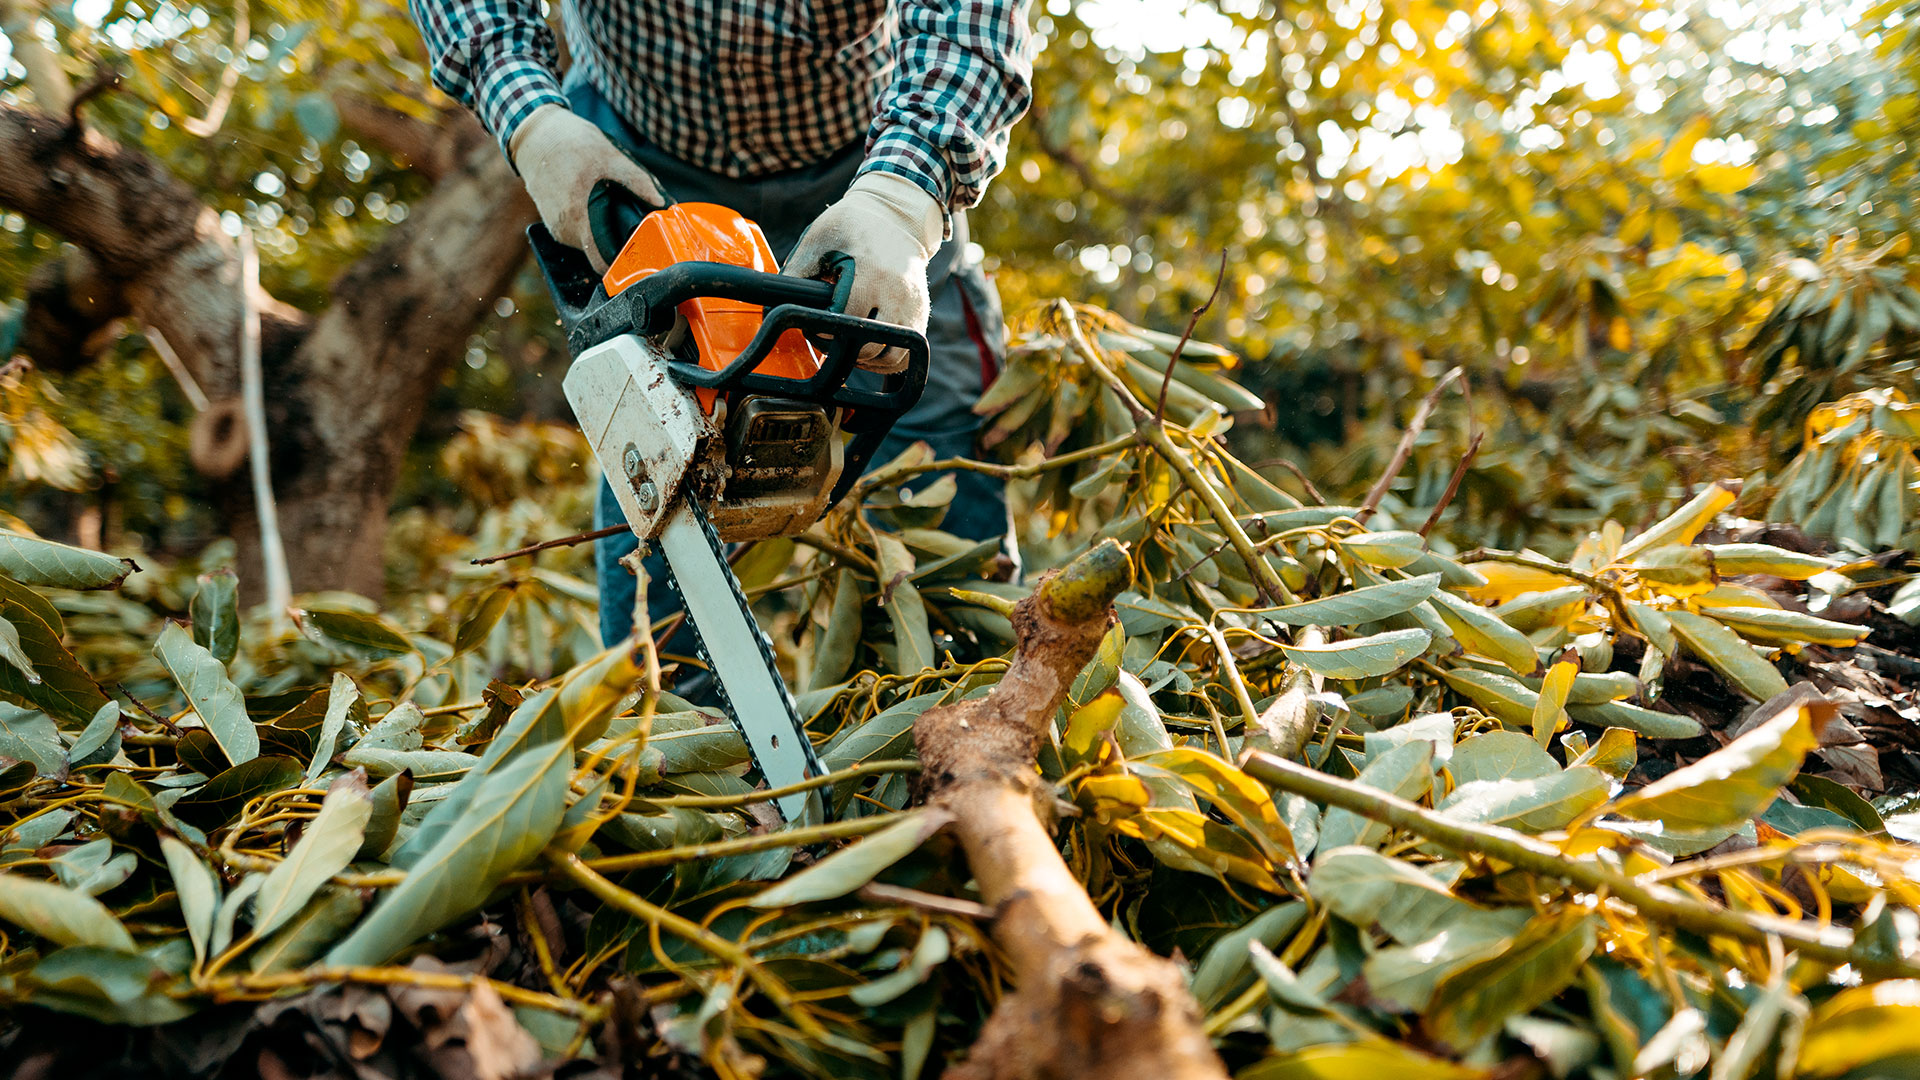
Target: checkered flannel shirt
x=751 y=87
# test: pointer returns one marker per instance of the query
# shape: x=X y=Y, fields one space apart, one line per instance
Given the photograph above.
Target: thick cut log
x=346 y=387
x=1089 y=1002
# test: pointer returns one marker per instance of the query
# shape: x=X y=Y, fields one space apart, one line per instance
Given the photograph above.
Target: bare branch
x=1405 y=450
x=1166 y=378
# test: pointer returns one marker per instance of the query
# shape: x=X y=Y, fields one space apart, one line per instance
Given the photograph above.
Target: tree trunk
x=346 y=386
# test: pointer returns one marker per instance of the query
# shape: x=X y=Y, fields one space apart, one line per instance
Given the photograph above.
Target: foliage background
x=1592 y=207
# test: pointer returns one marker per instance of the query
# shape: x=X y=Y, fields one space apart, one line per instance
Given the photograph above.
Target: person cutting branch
x=867 y=127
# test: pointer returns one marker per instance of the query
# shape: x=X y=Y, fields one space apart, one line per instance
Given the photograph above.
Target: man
x=862 y=126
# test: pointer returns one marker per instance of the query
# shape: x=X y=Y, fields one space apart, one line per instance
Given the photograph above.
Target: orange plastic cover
x=692 y=231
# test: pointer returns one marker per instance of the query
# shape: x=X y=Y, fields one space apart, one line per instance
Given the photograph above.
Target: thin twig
x=1405 y=450
x=1298 y=474
x=565 y=541
x=398 y=976
x=728 y=952
x=1166 y=378
x=878 y=893
x=1453 y=483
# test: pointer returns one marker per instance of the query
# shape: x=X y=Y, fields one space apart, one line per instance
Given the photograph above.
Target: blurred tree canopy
x=1655 y=235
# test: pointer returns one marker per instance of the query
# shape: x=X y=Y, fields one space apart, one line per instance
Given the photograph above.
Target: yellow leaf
x=1681 y=526
x=1086 y=725
x=1677 y=160
x=1619 y=334
x=1506 y=581
x=1549 y=712
x=1862 y=1025
x=1726 y=179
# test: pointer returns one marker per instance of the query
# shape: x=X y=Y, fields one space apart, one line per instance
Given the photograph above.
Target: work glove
x=563 y=158
x=890 y=227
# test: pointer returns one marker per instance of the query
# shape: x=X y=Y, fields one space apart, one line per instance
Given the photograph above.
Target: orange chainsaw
x=721 y=401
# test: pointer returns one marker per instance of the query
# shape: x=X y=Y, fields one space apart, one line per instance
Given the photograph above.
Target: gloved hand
x=890 y=227
x=562 y=158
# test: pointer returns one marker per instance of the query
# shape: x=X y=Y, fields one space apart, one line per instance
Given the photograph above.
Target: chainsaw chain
x=760 y=638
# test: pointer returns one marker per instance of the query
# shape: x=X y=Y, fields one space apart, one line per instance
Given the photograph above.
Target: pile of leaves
x=1404 y=810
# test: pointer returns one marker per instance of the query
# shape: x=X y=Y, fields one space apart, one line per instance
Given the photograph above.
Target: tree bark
x=1090 y=1003
x=347 y=385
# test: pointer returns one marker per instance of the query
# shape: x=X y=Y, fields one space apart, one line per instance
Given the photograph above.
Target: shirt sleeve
x=964 y=75
x=497 y=57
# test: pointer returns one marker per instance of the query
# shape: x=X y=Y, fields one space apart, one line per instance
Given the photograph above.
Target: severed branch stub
x=1089 y=1002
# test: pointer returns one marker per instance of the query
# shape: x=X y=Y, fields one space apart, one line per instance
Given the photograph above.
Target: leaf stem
x=741 y=845
x=716 y=802
x=575 y=869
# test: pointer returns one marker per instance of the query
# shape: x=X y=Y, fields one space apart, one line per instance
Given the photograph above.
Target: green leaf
x=198 y=889
x=316 y=116
x=1406 y=771
x=341 y=697
x=1533 y=805
x=230 y=906
x=1407 y=974
x=834 y=646
x=358 y=632
x=929 y=952
x=1723 y=651
x=488 y=608
x=12 y=653
x=61 y=915
x=856 y=864
x=1499 y=755
x=47 y=565
x=912 y=639
x=390 y=798
x=426 y=765
x=1365 y=887
x=1224 y=969
x=1646 y=723
x=1473 y=1002
x=689 y=743
x=1741 y=779
x=1481 y=631
x=888 y=735
x=1361 y=658
x=101 y=733
x=203 y=680
x=1385 y=550
x=306 y=936
x=1363 y=605
x=514 y=811
x=27 y=735
x=216 y=614
x=326 y=847
x=63 y=690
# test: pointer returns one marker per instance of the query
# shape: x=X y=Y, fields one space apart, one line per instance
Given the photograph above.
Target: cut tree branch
x=1089 y=1002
